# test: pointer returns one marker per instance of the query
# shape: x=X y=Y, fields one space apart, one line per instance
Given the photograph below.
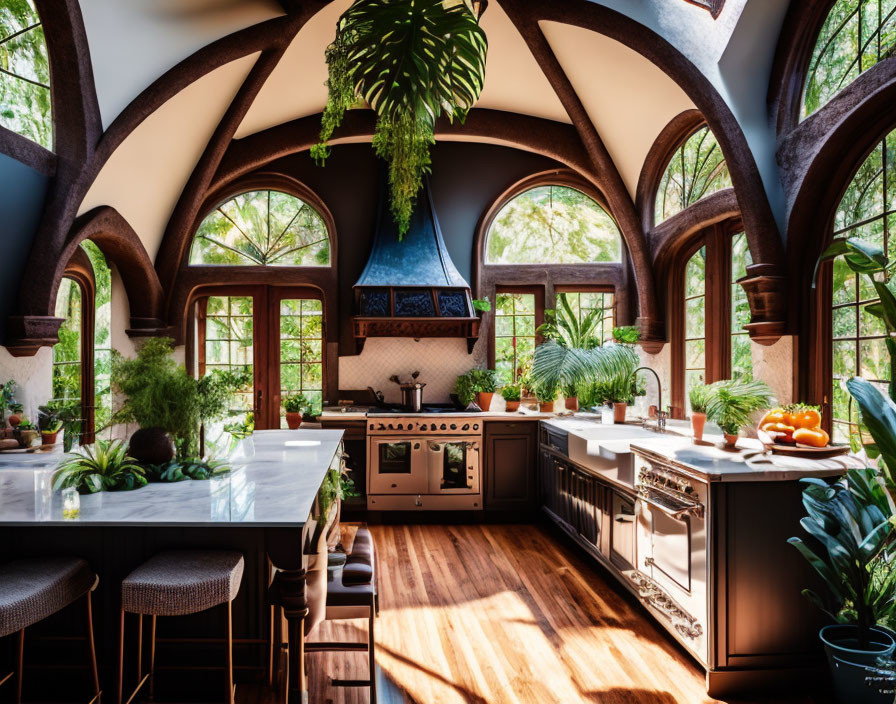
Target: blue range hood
x=411 y=288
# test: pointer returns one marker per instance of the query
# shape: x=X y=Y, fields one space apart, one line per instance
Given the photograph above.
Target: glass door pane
x=301 y=352
x=230 y=346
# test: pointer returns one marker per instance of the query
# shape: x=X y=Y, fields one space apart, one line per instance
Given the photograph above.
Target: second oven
x=424 y=465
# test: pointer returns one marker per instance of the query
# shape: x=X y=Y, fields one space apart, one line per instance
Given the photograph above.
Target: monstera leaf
x=410 y=61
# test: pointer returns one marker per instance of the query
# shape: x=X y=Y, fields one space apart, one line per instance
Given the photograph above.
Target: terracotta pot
x=546 y=406
x=731 y=440
x=619 y=410
x=572 y=404
x=293 y=420
x=512 y=406
x=49 y=438
x=698 y=422
x=14 y=420
x=26 y=438
x=151 y=446
x=484 y=400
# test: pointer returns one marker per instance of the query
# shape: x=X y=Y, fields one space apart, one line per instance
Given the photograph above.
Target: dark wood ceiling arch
x=768 y=270
x=669 y=139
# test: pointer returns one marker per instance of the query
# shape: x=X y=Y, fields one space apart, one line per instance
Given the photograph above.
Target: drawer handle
x=395 y=486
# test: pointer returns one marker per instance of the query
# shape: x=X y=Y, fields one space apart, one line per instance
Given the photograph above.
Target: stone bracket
x=767 y=293
x=26 y=334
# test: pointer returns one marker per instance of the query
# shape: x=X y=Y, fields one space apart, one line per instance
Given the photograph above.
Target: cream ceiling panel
x=146 y=174
x=628 y=98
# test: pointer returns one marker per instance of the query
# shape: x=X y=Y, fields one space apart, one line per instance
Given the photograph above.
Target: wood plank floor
x=494 y=614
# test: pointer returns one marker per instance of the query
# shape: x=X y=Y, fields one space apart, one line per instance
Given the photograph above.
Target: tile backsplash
x=439 y=360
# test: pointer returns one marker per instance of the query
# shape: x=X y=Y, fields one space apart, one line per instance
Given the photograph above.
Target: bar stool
x=34 y=589
x=178 y=583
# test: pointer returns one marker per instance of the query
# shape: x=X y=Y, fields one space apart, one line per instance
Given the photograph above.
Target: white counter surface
x=524 y=414
x=275 y=487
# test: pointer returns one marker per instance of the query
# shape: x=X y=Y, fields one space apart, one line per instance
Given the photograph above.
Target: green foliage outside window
x=301 y=351
x=553 y=225
x=856 y=35
x=102 y=338
x=696 y=169
x=514 y=335
x=695 y=320
x=741 y=355
x=262 y=228
x=24 y=73
x=866 y=211
x=67 y=352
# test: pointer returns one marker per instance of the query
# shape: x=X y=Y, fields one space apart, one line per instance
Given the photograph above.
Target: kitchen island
x=263 y=508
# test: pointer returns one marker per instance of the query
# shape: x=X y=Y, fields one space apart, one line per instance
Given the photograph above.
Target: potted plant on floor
x=851 y=521
x=296 y=406
x=699 y=397
x=103 y=466
x=732 y=404
x=511 y=395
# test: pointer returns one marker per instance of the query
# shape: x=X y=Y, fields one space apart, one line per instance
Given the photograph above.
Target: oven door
x=666 y=552
x=452 y=465
x=397 y=465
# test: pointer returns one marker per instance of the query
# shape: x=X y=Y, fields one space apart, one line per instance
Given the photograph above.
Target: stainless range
x=424 y=462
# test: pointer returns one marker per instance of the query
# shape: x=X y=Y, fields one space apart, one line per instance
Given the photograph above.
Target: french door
x=273 y=334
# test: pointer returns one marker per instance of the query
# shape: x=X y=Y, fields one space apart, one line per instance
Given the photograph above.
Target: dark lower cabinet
x=573 y=496
x=509 y=472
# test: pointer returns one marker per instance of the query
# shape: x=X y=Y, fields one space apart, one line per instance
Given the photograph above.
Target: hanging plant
x=410 y=61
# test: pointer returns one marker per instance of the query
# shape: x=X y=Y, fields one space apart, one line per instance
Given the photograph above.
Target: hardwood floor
x=489 y=614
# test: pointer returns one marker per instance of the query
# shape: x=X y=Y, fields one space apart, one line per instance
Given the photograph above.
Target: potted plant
x=546 y=394
x=16 y=410
x=7 y=394
x=484 y=384
x=49 y=422
x=511 y=395
x=25 y=432
x=626 y=335
x=464 y=389
x=732 y=404
x=103 y=466
x=699 y=397
x=851 y=521
x=295 y=405
x=571 y=398
x=482 y=305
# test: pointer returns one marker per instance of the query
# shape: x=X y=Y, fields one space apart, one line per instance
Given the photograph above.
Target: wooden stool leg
x=91 y=645
x=152 y=658
x=20 y=666
x=229 y=653
x=372 y=652
x=295 y=633
x=120 y=683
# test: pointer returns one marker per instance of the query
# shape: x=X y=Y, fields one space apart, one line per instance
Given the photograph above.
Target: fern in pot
x=732 y=404
x=699 y=397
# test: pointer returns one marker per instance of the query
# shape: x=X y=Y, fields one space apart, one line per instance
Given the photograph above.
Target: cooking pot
x=412 y=396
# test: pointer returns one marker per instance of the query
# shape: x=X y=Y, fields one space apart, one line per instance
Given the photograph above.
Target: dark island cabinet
x=574 y=498
x=511 y=450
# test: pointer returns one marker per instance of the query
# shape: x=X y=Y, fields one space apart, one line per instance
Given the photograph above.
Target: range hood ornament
x=410 y=287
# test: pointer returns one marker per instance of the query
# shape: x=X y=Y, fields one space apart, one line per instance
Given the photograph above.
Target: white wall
x=33 y=376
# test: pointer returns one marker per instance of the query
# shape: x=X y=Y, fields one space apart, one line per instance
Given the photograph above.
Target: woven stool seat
x=33 y=589
x=181 y=582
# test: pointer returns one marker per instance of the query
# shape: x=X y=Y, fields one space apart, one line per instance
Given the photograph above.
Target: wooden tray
x=812 y=453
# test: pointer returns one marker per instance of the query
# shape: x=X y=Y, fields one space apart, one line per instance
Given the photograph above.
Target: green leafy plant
x=296 y=403
x=555 y=366
x=465 y=389
x=564 y=327
x=103 y=466
x=7 y=394
x=16 y=408
x=878 y=413
x=627 y=335
x=482 y=305
x=484 y=380
x=48 y=420
x=700 y=396
x=545 y=392
x=241 y=429
x=410 y=62
x=852 y=521
x=733 y=402
x=511 y=392
x=183 y=470
x=158 y=393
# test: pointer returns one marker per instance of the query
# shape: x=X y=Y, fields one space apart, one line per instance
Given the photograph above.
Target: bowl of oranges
x=796 y=430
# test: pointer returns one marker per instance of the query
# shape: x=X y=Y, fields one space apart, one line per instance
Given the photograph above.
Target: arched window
x=553 y=225
x=696 y=169
x=262 y=228
x=24 y=73
x=867 y=211
x=856 y=35
x=695 y=320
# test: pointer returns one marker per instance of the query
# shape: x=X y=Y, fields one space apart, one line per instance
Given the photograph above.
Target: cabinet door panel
x=510 y=469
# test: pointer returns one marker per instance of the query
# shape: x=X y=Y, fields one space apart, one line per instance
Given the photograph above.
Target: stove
x=430 y=461
x=400 y=411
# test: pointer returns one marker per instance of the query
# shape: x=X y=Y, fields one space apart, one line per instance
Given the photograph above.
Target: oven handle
x=676 y=512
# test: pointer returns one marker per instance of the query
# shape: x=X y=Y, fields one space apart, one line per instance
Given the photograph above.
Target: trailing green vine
x=410 y=61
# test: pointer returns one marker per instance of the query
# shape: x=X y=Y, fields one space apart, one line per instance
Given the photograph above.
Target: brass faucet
x=661 y=415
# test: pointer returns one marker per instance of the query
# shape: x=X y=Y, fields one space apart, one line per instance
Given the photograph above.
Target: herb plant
x=733 y=402
x=103 y=466
x=296 y=403
x=700 y=396
x=511 y=392
x=410 y=62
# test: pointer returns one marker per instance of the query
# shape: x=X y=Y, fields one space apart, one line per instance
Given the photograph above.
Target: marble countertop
x=273 y=482
x=359 y=414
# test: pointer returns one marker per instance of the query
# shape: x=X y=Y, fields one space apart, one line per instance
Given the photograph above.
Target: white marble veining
x=274 y=486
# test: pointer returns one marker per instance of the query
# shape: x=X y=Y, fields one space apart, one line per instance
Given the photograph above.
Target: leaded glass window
x=25 y=105
x=695 y=321
x=741 y=355
x=696 y=169
x=856 y=35
x=514 y=334
x=553 y=225
x=867 y=211
x=262 y=228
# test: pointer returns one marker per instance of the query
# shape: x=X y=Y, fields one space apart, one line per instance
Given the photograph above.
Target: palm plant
x=555 y=366
x=104 y=466
x=411 y=61
x=733 y=402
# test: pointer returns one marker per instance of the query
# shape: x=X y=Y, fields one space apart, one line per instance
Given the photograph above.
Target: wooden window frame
x=537 y=292
x=717 y=316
